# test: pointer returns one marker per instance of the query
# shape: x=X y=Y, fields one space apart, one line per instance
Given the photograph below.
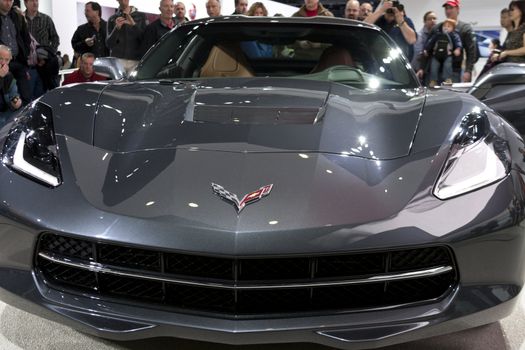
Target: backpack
x=442 y=47
x=32 y=58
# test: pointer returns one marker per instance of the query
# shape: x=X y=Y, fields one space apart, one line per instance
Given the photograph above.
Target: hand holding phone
x=91 y=40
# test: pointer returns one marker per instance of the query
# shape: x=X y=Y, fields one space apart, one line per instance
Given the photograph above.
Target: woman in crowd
x=514 y=46
x=257 y=9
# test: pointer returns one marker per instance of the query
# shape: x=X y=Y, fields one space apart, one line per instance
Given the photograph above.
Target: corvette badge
x=247 y=199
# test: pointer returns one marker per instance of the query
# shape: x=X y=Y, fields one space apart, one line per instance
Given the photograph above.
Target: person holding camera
x=9 y=99
x=391 y=17
x=125 y=32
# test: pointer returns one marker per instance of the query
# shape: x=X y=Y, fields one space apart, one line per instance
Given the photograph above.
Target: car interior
x=340 y=57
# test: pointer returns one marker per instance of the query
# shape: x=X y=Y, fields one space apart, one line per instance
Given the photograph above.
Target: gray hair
x=87 y=55
x=6 y=48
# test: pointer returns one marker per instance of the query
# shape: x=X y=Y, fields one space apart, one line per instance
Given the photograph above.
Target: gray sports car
x=503 y=89
x=263 y=180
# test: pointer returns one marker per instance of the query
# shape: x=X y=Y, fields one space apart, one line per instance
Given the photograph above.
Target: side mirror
x=110 y=67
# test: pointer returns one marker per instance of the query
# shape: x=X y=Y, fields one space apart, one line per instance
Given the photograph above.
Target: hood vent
x=254 y=115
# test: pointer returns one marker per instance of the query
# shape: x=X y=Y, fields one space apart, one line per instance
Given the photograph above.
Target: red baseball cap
x=453 y=3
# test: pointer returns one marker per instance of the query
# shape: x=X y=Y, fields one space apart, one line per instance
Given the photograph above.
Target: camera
x=396 y=4
x=121 y=14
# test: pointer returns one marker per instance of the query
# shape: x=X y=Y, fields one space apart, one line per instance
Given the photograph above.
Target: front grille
x=247 y=286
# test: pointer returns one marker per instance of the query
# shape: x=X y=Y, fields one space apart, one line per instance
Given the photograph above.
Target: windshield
x=356 y=56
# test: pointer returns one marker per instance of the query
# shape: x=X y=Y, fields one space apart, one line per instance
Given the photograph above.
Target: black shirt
x=154 y=31
x=87 y=30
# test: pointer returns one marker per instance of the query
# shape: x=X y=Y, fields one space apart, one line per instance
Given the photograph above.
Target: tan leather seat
x=333 y=56
x=226 y=61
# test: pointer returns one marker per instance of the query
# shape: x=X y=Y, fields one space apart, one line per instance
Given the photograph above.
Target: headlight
x=478 y=157
x=30 y=148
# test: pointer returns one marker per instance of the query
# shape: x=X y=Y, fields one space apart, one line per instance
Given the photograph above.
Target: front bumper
x=490 y=268
x=371 y=329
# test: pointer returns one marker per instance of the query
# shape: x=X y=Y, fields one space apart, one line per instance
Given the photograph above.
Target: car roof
x=240 y=19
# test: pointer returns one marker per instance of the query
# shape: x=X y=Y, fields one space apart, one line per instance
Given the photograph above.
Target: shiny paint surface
x=138 y=162
x=503 y=89
x=171 y=117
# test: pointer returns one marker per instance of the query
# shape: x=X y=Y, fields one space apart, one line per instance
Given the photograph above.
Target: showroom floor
x=22 y=331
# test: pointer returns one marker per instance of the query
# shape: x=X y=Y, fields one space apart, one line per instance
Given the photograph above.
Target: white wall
x=482 y=14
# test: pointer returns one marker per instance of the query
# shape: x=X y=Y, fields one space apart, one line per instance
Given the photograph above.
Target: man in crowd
x=312 y=8
x=40 y=25
x=15 y=35
x=161 y=26
x=241 y=7
x=180 y=13
x=429 y=21
x=85 y=72
x=352 y=9
x=393 y=20
x=43 y=30
x=9 y=99
x=91 y=36
x=213 y=8
x=125 y=31
x=365 y=10
x=468 y=41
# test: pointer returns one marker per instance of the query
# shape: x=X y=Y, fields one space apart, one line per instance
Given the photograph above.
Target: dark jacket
x=9 y=91
x=154 y=31
x=43 y=30
x=396 y=34
x=49 y=70
x=87 y=30
x=22 y=36
x=126 y=42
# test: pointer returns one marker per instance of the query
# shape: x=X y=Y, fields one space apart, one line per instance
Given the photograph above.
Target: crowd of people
x=439 y=52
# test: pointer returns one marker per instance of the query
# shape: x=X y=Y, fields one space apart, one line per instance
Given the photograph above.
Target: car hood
x=257 y=115
x=168 y=195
